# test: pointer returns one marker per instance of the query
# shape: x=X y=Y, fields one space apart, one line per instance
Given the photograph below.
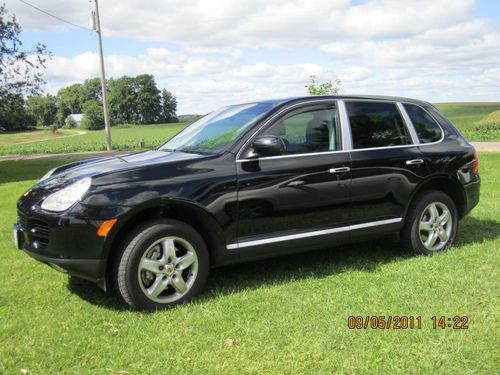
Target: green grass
x=37 y=135
x=124 y=137
x=287 y=315
x=466 y=116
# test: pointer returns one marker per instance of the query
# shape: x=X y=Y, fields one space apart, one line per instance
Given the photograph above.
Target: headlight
x=47 y=175
x=63 y=199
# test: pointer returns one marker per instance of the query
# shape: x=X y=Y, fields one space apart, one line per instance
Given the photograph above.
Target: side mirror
x=268 y=145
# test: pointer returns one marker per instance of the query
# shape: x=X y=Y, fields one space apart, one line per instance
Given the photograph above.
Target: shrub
x=489 y=126
x=93 y=116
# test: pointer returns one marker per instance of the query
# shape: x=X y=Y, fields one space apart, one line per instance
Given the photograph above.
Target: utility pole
x=96 y=26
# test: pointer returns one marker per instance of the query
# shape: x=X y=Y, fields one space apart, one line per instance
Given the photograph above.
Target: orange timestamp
x=399 y=322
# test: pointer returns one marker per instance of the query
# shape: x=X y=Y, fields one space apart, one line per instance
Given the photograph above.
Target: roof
x=341 y=97
x=76 y=116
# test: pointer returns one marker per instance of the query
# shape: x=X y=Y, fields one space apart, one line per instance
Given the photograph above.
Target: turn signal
x=105 y=227
x=475 y=163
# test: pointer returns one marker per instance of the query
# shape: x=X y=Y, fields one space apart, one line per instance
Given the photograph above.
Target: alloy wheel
x=168 y=269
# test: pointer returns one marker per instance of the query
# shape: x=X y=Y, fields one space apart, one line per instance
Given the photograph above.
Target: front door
x=298 y=200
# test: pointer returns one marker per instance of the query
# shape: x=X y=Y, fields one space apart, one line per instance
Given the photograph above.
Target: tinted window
x=313 y=130
x=376 y=124
x=425 y=126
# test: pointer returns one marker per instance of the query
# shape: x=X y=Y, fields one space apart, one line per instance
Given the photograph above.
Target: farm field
x=464 y=116
x=125 y=137
x=280 y=316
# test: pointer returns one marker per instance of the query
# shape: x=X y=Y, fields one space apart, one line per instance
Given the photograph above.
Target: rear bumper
x=472 y=192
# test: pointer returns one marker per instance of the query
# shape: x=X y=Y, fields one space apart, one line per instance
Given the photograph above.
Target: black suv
x=251 y=181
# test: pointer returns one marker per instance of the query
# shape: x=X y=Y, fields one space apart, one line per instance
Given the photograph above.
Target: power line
x=54 y=16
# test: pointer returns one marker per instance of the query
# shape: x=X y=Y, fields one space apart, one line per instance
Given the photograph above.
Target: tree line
x=132 y=100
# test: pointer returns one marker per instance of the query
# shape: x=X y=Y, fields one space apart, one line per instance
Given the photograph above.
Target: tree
x=42 y=108
x=326 y=88
x=20 y=73
x=70 y=100
x=20 y=69
x=93 y=88
x=135 y=100
x=122 y=100
x=13 y=114
x=148 y=99
x=168 y=106
x=93 y=116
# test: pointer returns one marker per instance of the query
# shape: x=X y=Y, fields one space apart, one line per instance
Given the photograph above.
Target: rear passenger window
x=427 y=129
x=376 y=124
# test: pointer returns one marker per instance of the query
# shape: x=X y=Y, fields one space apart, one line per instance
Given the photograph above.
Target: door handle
x=414 y=162
x=295 y=183
x=339 y=170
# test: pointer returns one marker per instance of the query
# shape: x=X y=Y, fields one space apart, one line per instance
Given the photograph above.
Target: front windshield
x=216 y=131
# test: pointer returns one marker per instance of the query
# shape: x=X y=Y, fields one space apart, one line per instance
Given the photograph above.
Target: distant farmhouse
x=74 y=119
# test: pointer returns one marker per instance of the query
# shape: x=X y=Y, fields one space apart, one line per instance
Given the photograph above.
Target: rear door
x=387 y=164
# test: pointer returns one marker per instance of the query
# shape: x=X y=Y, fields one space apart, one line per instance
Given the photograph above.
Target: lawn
x=37 y=135
x=280 y=316
x=124 y=137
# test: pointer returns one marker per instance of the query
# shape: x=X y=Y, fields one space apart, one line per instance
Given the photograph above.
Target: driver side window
x=308 y=130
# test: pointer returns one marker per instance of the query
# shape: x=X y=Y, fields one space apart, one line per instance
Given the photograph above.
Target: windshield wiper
x=194 y=151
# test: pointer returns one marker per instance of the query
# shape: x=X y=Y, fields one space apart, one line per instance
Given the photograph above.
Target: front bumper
x=66 y=246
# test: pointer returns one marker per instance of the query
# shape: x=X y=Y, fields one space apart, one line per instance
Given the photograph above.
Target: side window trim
x=432 y=117
x=408 y=123
x=345 y=120
x=345 y=128
x=284 y=112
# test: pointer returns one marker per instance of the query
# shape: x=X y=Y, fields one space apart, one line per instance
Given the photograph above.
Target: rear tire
x=431 y=223
x=163 y=263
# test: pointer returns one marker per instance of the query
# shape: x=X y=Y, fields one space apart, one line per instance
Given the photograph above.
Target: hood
x=104 y=166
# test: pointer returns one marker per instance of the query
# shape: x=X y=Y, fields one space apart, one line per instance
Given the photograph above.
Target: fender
x=203 y=220
x=434 y=181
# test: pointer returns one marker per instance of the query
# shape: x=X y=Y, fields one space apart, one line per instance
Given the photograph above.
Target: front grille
x=37 y=231
x=40 y=228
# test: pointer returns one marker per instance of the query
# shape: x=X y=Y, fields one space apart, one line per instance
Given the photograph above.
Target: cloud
x=257 y=23
x=225 y=51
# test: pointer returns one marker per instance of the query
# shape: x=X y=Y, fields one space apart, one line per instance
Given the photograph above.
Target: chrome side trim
x=291 y=156
x=376 y=223
x=311 y=234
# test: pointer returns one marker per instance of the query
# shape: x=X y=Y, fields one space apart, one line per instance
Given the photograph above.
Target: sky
x=211 y=53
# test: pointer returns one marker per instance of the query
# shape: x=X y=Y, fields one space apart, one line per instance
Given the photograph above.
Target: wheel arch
x=446 y=184
x=186 y=211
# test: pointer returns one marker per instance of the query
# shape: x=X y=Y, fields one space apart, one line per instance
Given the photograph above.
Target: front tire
x=431 y=224
x=163 y=263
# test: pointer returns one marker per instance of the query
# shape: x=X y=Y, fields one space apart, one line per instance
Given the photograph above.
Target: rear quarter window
x=427 y=129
